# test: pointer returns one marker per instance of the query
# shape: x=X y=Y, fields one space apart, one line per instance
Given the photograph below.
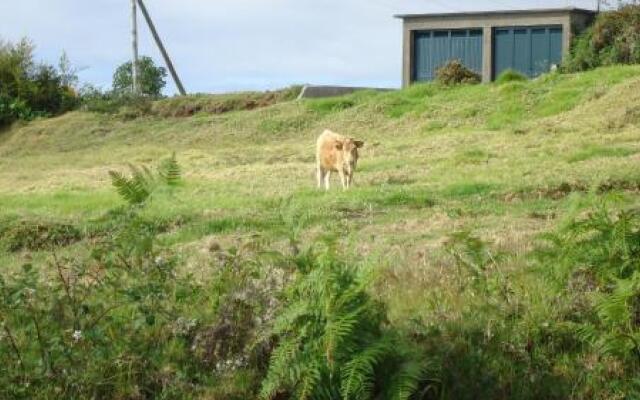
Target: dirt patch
x=180 y=107
x=564 y=189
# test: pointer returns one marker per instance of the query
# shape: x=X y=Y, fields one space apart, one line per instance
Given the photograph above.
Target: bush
x=332 y=341
x=12 y=109
x=455 y=73
x=614 y=38
x=122 y=322
x=28 y=89
x=510 y=75
x=122 y=104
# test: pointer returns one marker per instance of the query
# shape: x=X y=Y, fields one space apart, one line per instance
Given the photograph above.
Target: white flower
x=77 y=335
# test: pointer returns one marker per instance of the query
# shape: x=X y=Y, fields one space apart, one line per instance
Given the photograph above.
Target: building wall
x=571 y=21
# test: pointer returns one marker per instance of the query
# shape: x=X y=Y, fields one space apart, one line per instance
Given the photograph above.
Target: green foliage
x=616 y=332
x=12 y=109
x=122 y=321
x=169 y=171
x=102 y=326
x=332 y=341
x=151 y=79
x=138 y=188
x=613 y=39
x=510 y=75
x=120 y=104
x=135 y=189
x=605 y=246
x=455 y=73
x=28 y=89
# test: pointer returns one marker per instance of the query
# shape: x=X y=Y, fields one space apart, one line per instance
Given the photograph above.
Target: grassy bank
x=442 y=168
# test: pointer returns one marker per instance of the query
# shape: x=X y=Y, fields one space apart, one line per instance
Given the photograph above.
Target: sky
x=234 y=45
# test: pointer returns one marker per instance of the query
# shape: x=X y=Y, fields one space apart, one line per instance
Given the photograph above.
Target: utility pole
x=158 y=41
x=134 y=45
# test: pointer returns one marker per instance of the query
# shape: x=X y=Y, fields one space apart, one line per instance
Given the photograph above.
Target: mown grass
x=505 y=162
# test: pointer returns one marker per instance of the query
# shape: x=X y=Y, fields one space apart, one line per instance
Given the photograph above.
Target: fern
x=170 y=171
x=332 y=343
x=358 y=373
x=608 y=245
x=140 y=185
x=406 y=381
x=281 y=370
x=135 y=190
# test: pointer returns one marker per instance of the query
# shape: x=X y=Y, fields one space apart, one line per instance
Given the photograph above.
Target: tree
x=29 y=89
x=68 y=72
x=151 y=79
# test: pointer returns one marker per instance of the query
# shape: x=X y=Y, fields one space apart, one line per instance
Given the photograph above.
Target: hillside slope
x=504 y=162
x=439 y=143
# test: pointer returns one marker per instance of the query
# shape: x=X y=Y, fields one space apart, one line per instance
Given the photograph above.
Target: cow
x=336 y=153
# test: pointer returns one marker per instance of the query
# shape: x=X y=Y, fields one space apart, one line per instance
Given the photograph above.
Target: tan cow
x=336 y=153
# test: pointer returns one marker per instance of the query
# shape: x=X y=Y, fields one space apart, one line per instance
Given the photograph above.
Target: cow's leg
x=327 y=179
x=343 y=179
x=350 y=180
x=320 y=173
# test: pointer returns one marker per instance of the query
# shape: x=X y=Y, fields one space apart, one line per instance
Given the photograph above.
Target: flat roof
x=498 y=12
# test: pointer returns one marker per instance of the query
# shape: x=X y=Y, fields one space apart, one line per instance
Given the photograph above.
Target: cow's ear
x=339 y=145
x=358 y=143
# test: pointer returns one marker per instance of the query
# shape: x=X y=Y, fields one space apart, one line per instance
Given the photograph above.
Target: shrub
x=28 y=89
x=613 y=39
x=510 y=75
x=121 y=104
x=124 y=323
x=332 y=341
x=12 y=109
x=455 y=72
x=100 y=327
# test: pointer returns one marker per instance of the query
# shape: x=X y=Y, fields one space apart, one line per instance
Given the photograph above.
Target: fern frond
x=282 y=369
x=406 y=381
x=170 y=171
x=336 y=332
x=132 y=190
x=358 y=373
x=309 y=380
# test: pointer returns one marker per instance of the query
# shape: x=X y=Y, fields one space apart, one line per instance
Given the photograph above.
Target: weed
x=510 y=75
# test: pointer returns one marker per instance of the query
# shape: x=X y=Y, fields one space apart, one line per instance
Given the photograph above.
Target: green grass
x=591 y=152
x=506 y=162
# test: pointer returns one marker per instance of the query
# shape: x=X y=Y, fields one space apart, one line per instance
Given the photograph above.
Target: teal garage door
x=529 y=50
x=433 y=49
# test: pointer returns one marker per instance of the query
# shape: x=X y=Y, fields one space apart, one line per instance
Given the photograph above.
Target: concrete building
x=530 y=41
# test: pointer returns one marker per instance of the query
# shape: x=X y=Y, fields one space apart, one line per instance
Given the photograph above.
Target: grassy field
x=504 y=163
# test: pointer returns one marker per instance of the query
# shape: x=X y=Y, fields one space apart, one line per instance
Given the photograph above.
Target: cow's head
x=349 y=149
